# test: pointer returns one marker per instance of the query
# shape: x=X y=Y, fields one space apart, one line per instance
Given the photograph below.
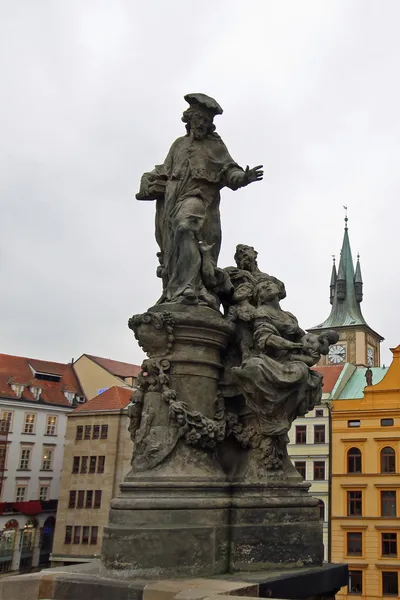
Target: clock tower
x=358 y=343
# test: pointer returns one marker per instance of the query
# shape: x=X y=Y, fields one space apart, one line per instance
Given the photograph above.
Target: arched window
x=354 y=461
x=321 y=506
x=388 y=460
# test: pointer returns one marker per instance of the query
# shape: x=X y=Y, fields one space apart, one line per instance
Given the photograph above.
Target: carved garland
x=194 y=427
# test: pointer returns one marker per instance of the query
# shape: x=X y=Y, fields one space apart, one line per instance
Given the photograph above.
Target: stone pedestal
x=274 y=525
x=172 y=514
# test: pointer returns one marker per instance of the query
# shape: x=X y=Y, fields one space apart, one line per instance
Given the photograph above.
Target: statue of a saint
x=187 y=190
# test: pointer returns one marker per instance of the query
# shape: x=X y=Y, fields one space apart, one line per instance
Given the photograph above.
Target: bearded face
x=199 y=122
x=199 y=125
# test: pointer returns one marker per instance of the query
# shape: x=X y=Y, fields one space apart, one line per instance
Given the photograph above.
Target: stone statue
x=274 y=375
x=212 y=489
x=187 y=189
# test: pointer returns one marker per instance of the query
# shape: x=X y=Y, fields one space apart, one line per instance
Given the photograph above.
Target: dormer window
x=36 y=391
x=69 y=396
x=47 y=377
x=18 y=389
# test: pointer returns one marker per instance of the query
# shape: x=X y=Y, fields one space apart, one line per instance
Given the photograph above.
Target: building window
x=388 y=504
x=29 y=423
x=390 y=583
x=94 y=534
x=301 y=468
x=321 y=506
x=68 y=534
x=354 y=543
x=89 y=499
x=77 y=534
x=353 y=423
x=319 y=412
x=20 y=493
x=81 y=499
x=355 y=582
x=387 y=422
x=6 y=421
x=3 y=458
x=92 y=464
x=51 y=425
x=354 y=461
x=354 y=504
x=96 y=432
x=25 y=459
x=75 y=464
x=44 y=492
x=84 y=464
x=79 y=432
x=319 y=434
x=301 y=434
x=47 y=459
x=389 y=544
x=72 y=499
x=388 y=460
x=85 y=534
x=319 y=470
x=88 y=432
x=104 y=432
x=100 y=464
x=97 y=499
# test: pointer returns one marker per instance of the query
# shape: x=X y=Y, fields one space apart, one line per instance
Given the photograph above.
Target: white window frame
x=47 y=463
x=22 y=458
x=51 y=428
x=4 y=417
x=44 y=486
x=31 y=426
x=20 y=487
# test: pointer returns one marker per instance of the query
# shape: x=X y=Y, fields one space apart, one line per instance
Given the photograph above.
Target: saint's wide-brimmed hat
x=204 y=101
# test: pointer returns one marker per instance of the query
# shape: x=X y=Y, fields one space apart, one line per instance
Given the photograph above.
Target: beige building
x=97 y=455
x=96 y=374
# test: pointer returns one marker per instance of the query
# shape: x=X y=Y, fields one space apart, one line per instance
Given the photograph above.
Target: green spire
x=333 y=280
x=345 y=289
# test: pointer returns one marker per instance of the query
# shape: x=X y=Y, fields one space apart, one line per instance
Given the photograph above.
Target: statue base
x=274 y=526
x=186 y=509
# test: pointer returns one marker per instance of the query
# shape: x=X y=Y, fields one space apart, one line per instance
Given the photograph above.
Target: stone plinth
x=172 y=514
x=274 y=525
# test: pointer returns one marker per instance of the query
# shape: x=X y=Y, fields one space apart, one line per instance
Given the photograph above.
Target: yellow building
x=98 y=452
x=365 y=501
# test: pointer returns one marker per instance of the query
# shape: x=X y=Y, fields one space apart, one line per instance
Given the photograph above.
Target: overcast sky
x=92 y=96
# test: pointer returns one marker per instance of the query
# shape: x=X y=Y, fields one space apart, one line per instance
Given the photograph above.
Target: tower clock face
x=371 y=357
x=336 y=354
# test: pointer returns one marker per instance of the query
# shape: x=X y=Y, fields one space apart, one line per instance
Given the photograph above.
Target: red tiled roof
x=114 y=398
x=117 y=368
x=330 y=374
x=16 y=369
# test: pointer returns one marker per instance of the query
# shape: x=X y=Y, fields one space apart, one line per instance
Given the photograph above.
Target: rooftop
x=355 y=386
x=52 y=378
x=330 y=374
x=117 y=368
x=114 y=398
